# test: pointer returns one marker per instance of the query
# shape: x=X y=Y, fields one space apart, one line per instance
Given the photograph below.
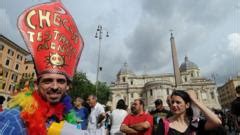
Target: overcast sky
x=208 y=32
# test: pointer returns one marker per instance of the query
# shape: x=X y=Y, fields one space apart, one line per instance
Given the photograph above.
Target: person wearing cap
x=159 y=113
x=55 y=45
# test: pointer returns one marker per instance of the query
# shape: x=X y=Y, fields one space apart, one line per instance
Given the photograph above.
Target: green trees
x=82 y=87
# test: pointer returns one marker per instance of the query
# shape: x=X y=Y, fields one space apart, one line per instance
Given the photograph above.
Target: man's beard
x=133 y=110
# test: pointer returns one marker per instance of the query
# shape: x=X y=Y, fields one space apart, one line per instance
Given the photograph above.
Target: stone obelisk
x=175 y=62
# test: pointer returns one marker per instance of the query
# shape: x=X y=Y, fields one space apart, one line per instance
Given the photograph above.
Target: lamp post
x=98 y=35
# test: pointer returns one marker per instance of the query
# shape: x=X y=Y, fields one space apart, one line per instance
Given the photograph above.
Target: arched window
x=124 y=79
x=7 y=62
x=3 y=85
x=151 y=92
x=168 y=92
x=131 y=82
x=17 y=66
x=1 y=47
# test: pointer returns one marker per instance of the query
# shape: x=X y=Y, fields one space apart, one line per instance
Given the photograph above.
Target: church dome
x=125 y=70
x=187 y=65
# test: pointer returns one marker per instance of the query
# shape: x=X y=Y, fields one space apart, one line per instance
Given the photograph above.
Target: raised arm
x=212 y=119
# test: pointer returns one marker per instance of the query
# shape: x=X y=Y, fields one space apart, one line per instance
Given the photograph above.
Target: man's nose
x=174 y=104
x=54 y=85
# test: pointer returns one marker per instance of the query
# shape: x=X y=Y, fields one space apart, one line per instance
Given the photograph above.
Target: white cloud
x=234 y=43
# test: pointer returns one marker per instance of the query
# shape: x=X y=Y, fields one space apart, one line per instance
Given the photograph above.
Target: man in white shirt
x=96 y=117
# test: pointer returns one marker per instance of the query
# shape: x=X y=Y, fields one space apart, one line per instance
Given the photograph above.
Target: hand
x=192 y=95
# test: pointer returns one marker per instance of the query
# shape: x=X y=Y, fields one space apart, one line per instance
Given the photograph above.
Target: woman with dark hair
x=117 y=117
x=181 y=123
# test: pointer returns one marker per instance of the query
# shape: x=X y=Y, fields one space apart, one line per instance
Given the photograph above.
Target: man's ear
x=35 y=86
x=67 y=88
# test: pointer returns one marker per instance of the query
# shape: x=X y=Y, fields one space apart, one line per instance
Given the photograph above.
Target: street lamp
x=98 y=35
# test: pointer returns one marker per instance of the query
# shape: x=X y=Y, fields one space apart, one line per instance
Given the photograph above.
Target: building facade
x=129 y=86
x=227 y=92
x=13 y=64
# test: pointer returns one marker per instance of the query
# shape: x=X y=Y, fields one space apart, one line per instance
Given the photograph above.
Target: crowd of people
x=179 y=119
x=185 y=116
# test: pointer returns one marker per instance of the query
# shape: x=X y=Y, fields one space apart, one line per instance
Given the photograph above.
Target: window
x=7 y=62
x=204 y=96
x=14 y=77
x=3 y=85
x=19 y=57
x=212 y=95
x=11 y=87
x=32 y=74
x=1 y=47
x=151 y=92
x=124 y=79
x=131 y=82
x=168 y=91
x=191 y=74
x=26 y=67
x=131 y=95
x=185 y=79
x=10 y=52
x=6 y=75
x=17 y=66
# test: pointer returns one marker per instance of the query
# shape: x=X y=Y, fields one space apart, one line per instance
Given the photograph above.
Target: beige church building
x=129 y=86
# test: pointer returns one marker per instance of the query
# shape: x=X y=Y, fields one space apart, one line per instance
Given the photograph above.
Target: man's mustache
x=52 y=90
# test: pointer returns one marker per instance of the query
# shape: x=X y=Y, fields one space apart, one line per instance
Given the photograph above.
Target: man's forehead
x=53 y=76
x=136 y=102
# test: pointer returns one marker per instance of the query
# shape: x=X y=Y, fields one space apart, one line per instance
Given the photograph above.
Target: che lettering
x=42 y=16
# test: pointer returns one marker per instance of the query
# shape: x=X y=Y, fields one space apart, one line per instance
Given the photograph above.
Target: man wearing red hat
x=56 y=45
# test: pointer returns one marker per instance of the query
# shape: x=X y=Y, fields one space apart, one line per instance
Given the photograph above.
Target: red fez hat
x=52 y=38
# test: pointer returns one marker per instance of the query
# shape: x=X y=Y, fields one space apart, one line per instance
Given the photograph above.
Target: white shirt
x=70 y=129
x=92 y=121
x=117 y=117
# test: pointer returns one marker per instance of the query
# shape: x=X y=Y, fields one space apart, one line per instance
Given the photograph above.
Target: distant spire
x=125 y=65
x=186 y=58
x=171 y=30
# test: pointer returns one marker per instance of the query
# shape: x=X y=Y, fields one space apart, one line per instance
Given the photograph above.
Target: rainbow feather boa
x=35 y=112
